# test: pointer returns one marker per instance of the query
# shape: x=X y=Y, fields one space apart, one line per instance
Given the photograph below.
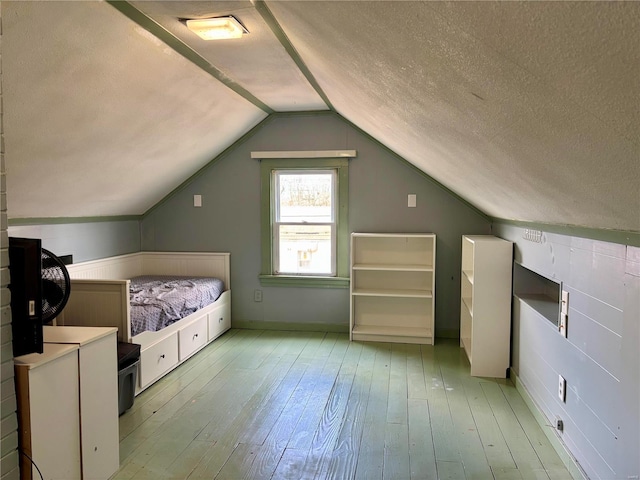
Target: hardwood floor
x=288 y=405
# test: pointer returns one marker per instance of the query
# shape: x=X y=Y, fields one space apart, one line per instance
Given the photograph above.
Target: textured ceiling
x=528 y=110
x=101 y=118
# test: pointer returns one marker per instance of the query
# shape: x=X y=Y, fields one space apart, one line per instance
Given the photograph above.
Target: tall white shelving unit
x=485 y=307
x=392 y=287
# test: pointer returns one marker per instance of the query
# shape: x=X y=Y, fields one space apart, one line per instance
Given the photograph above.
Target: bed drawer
x=193 y=337
x=158 y=359
x=219 y=320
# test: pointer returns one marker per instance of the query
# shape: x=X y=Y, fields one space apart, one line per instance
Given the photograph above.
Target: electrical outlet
x=562 y=388
x=257 y=295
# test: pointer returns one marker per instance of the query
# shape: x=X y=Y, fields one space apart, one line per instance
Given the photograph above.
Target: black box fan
x=40 y=287
x=56 y=286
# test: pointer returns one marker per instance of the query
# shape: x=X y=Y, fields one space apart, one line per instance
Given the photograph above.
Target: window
x=304 y=222
x=304 y=225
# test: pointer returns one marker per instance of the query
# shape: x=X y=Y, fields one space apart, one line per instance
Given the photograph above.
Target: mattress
x=157 y=301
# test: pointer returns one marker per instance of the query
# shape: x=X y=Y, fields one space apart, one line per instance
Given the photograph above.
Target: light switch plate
x=411 y=200
x=565 y=302
x=197 y=200
x=562 y=327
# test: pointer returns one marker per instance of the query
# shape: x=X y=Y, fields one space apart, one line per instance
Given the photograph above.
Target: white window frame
x=275 y=239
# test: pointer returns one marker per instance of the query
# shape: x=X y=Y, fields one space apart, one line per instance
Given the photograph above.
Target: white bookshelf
x=392 y=287
x=485 y=306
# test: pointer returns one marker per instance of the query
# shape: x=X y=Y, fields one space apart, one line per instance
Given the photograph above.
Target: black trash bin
x=128 y=360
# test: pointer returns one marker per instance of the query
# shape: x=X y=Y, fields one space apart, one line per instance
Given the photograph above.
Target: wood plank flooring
x=288 y=405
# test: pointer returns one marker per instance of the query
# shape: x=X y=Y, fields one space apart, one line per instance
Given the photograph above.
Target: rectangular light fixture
x=218 y=28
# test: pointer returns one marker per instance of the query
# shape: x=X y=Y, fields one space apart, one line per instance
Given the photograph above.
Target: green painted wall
x=379 y=182
x=84 y=238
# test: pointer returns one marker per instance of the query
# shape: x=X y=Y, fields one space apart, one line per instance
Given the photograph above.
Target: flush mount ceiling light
x=218 y=28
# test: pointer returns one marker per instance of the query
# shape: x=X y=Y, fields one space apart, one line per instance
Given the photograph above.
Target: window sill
x=303 y=281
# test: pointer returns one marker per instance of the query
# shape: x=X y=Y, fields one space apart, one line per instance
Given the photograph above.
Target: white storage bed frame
x=100 y=298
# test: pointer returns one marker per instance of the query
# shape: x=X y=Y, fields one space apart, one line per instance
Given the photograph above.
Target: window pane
x=305 y=249
x=305 y=197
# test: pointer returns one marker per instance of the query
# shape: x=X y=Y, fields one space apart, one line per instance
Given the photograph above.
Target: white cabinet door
x=99 y=408
x=48 y=405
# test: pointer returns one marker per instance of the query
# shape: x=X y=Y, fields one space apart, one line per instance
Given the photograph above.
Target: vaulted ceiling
x=528 y=110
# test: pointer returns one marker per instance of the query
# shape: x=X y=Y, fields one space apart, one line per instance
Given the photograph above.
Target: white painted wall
x=600 y=357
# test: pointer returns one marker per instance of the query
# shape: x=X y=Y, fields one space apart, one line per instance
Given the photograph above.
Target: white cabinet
x=98 y=391
x=485 y=306
x=392 y=287
x=48 y=405
x=68 y=404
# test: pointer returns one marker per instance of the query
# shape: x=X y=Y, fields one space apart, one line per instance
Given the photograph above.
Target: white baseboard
x=577 y=473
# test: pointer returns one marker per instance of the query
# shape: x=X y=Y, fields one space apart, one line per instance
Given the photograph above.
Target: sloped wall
x=379 y=182
x=600 y=357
